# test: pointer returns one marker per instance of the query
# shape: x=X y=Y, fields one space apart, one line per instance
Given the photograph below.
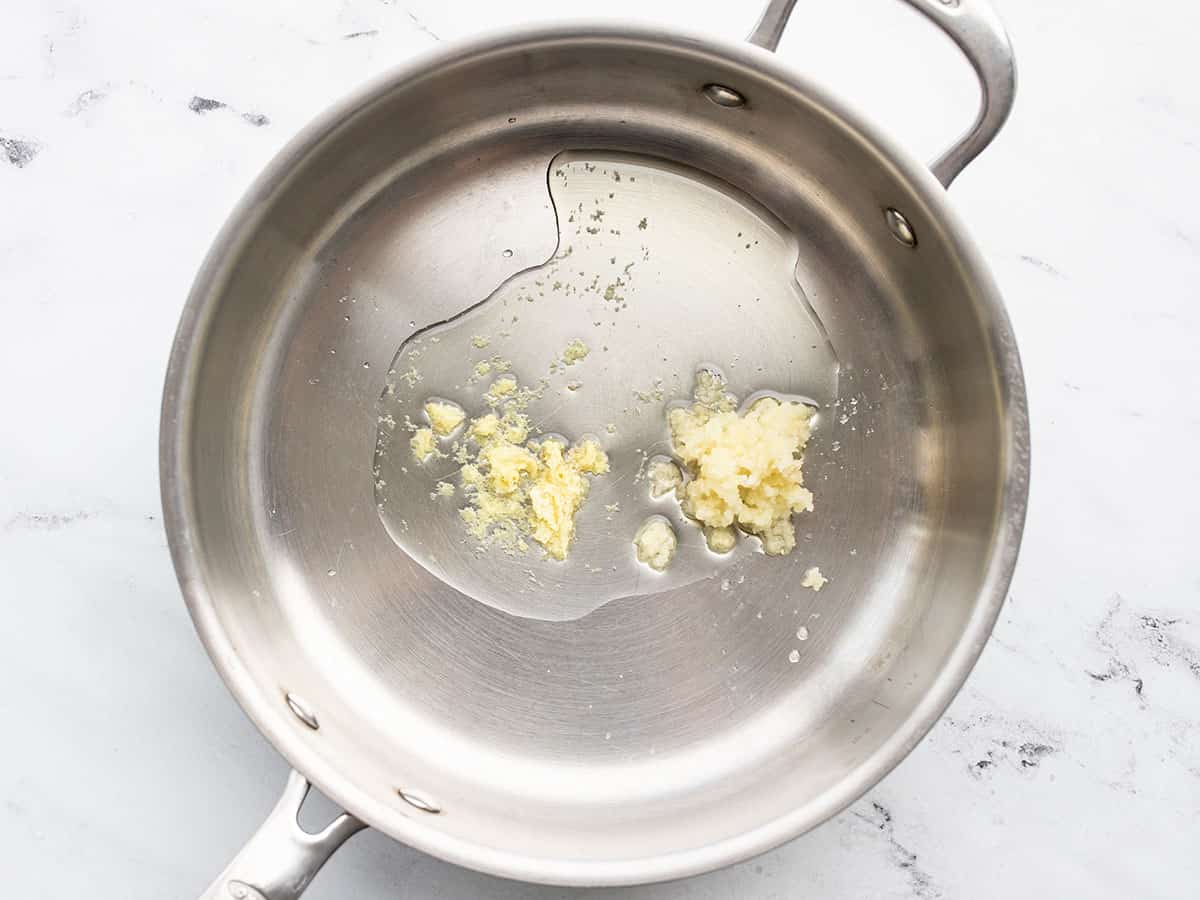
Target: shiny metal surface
x=280 y=860
x=974 y=26
x=768 y=31
x=977 y=31
x=678 y=253
x=660 y=734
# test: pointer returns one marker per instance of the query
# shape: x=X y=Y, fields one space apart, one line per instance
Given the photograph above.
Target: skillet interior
x=656 y=736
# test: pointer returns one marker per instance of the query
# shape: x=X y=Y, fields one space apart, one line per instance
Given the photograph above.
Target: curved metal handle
x=975 y=28
x=280 y=860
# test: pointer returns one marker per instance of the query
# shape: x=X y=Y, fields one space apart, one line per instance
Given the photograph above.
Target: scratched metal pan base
x=648 y=728
x=650 y=262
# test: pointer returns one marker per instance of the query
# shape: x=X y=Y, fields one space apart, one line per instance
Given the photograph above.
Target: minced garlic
x=663 y=475
x=655 y=543
x=746 y=468
x=814 y=579
x=720 y=540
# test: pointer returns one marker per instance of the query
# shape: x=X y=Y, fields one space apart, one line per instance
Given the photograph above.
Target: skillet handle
x=280 y=860
x=975 y=28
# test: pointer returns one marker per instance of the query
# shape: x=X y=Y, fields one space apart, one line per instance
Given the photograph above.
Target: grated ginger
x=558 y=489
x=517 y=489
x=501 y=388
x=444 y=416
x=423 y=444
x=574 y=352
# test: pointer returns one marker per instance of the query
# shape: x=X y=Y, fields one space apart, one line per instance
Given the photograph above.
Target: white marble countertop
x=1070 y=763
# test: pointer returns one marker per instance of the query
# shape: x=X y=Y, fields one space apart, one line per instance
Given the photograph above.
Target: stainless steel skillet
x=672 y=727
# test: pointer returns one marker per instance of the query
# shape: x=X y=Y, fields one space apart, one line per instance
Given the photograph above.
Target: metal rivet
x=900 y=228
x=300 y=709
x=419 y=801
x=723 y=96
